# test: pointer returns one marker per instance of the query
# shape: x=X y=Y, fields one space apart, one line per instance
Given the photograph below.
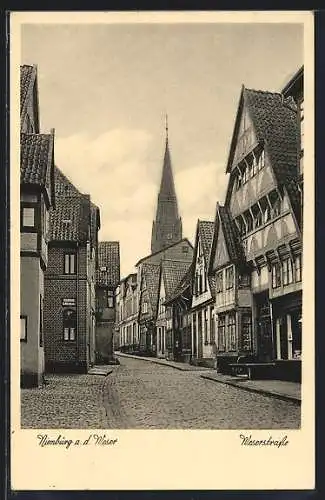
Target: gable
x=221 y=254
x=246 y=136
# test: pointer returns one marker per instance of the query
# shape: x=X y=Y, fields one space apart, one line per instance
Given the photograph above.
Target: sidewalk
x=100 y=370
x=185 y=367
x=280 y=389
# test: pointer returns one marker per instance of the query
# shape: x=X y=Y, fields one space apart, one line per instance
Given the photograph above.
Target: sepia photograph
x=162 y=236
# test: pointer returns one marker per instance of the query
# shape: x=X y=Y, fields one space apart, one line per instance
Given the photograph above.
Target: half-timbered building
x=263 y=210
x=203 y=293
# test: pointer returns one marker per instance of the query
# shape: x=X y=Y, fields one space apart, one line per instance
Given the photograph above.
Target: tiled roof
x=108 y=258
x=35 y=158
x=70 y=220
x=183 y=285
x=67 y=221
x=206 y=231
x=63 y=186
x=276 y=124
x=164 y=251
x=173 y=272
x=151 y=273
x=27 y=77
x=231 y=234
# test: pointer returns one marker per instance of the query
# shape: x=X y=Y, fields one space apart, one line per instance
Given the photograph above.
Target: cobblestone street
x=140 y=394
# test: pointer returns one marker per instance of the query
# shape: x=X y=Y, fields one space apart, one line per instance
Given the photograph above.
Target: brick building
x=107 y=279
x=257 y=250
x=203 y=297
x=36 y=198
x=70 y=303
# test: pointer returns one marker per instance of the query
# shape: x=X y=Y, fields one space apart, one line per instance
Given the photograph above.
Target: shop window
x=69 y=325
x=287 y=271
x=229 y=278
x=69 y=263
x=28 y=217
x=23 y=328
x=231 y=332
x=298 y=268
x=221 y=332
x=276 y=275
x=219 y=282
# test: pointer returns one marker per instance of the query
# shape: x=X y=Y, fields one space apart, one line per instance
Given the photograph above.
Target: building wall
x=31 y=292
x=69 y=355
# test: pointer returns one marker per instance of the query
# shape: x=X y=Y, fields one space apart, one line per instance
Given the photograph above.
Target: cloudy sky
x=106 y=88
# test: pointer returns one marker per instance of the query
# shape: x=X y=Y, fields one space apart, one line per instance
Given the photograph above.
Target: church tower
x=167 y=227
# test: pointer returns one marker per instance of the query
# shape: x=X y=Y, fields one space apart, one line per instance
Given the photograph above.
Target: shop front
x=287 y=312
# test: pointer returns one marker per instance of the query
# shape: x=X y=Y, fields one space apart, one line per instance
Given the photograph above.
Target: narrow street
x=140 y=394
x=143 y=395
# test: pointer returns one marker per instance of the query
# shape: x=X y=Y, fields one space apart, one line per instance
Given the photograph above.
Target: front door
x=264 y=328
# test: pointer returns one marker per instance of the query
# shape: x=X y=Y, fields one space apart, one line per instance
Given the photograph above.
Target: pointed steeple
x=167 y=227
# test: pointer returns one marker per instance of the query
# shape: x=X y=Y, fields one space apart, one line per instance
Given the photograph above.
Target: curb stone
x=264 y=392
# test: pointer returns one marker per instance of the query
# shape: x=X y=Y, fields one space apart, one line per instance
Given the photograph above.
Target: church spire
x=167 y=227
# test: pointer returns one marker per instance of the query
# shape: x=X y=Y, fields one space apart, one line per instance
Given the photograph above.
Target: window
x=261 y=160
x=169 y=236
x=238 y=182
x=266 y=214
x=110 y=298
x=254 y=166
x=70 y=263
x=298 y=268
x=245 y=175
x=212 y=326
x=205 y=326
x=28 y=217
x=241 y=226
x=246 y=332
x=219 y=281
x=249 y=221
x=257 y=217
x=23 y=328
x=229 y=278
x=221 y=332
x=144 y=307
x=276 y=207
x=69 y=325
x=287 y=271
x=103 y=269
x=185 y=249
x=276 y=275
x=231 y=332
